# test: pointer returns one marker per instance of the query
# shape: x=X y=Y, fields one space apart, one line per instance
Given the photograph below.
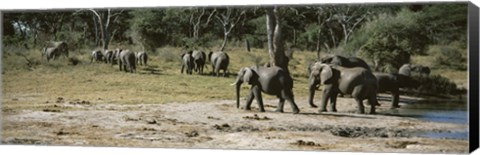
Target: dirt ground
x=219 y=125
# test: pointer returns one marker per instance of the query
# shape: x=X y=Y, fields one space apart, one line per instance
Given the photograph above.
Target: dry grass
x=160 y=82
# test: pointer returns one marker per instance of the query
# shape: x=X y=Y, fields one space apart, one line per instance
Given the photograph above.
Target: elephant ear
x=326 y=74
x=249 y=75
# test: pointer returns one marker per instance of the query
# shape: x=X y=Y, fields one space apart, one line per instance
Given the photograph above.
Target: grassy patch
x=159 y=82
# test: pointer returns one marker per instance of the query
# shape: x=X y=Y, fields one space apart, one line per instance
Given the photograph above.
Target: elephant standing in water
x=359 y=82
x=392 y=83
x=219 y=61
x=127 y=59
x=414 y=70
x=270 y=80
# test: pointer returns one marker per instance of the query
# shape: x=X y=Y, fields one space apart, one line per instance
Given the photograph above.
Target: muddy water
x=445 y=112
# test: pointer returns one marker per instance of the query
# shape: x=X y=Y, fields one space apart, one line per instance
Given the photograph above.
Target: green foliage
x=453 y=55
x=437 y=84
x=393 y=38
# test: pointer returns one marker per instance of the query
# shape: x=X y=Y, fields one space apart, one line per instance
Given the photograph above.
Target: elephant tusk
x=233 y=84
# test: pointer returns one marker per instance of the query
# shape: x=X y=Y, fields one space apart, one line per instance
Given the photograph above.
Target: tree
x=276 y=47
x=229 y=18
x=104 y=20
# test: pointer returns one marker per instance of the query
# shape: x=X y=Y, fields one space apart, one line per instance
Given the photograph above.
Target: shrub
x=453 y=56
x=437 y=84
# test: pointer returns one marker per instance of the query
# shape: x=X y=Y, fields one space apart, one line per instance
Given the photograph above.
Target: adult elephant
x=270 y=80
x=199 y=59
x=126 y=59
x=219 y=61
x=96 y=55
x=348 y=62
x=108 y=56
x=414 y=70
x=388 y=82
x=50 y=53
x=142 y=58
x=187 y=62
x=60 y=46
x=360 y=83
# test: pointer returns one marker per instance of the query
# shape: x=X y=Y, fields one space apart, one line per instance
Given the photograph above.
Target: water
x=445 y=112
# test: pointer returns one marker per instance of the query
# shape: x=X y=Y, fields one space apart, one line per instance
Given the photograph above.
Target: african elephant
x=142 y=58
x=388 y=82
x=414 y=70
x=61 y=47
x=97 y=56
x=348 y=62
x=360 y=83
x=219 y=61
x=126 y=58
x=199 y=59
x=270 y=80
x=50 y=53
x=187 y=62
x=108 y=56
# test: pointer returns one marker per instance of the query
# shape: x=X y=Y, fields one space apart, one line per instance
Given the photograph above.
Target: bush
x=453 y=56
x=437 y=84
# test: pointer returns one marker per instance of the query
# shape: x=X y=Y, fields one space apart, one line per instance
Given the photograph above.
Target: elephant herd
x=339 y=75
x=127 y=60
x=195 y=60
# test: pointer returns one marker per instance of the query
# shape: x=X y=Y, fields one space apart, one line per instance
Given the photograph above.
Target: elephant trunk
x=237 y=84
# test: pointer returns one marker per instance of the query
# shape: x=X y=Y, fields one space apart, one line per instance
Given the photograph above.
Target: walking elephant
x=414 y=70
x=61 y=47
x=108 y=56
x=388 y=82
x=187 y=62
x=348 y=62
x=50 y=53
x=219 y=61
x=270 y=80
x=127 y=59
x=199 y=59
x=359 y=82
x=97 y=56
x=142 y=58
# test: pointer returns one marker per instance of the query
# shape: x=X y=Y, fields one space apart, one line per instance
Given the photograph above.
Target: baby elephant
x=97 y=56
x=142 y=58
x=126 y=59
x=270 y=80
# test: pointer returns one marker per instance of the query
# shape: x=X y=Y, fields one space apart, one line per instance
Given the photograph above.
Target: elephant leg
x=395 y=100
x=361 y=108
x=333 y=102
x=181 y=71
x=288 y=95
x=327 y=92
x=249 y=99
x=281 y=103
x=372 y=100
x=258 y=95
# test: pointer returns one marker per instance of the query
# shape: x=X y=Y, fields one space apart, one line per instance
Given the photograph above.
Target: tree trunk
x=275 y=39
x=225 y=37
x=247 y=44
